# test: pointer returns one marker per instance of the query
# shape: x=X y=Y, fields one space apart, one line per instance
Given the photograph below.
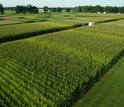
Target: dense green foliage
x=54 y=69
x=45 y=9
x=56 y=10
x=13 y=32
x=98 y=8
x=1 y=9
x=67 y=9
x=25 y=9
x=88 y=9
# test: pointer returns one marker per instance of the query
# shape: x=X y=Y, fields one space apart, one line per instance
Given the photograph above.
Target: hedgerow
x=21 y=31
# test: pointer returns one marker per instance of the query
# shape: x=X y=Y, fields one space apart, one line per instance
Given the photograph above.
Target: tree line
x=46 y=9
x=98 y=8
x=87 y=9
x=34 y=9
x=54 y=9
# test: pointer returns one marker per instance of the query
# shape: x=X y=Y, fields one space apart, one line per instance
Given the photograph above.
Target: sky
x=62 y=3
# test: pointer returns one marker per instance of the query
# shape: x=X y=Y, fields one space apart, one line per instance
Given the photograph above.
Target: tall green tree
x=1 y=9
x=58 y=9
x=19 y=9
x=26 y=9
x=121 y=9
x=32 y=9
x=53 y=10
x=115 y=9
x=45 y=9
x=84 y=8
x=67 y=9
x=29 y=8
x=99 y=8
x=78 y=9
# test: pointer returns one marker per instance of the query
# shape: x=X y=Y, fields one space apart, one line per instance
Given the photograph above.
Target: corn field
x=53 y=70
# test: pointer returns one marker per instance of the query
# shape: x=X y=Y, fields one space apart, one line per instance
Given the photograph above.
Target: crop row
x=54 y=69
x=20 y=31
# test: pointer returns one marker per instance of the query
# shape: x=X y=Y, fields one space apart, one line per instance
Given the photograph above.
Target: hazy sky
x=62 y=3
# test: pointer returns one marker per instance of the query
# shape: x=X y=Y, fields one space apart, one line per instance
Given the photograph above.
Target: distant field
x=107 y=29
x=108 y=92
x=80 y=17
x=119 y=22
x=7 y=22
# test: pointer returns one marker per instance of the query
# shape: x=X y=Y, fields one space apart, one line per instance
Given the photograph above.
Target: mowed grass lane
x=109 y=91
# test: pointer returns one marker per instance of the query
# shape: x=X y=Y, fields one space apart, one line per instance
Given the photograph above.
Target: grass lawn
x=108 y=92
